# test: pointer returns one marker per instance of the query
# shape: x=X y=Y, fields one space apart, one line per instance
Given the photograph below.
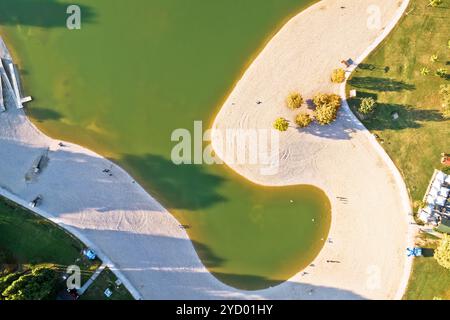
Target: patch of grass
x=392 y=75
x=428 y=280
x=105 y=280
x=32 y=240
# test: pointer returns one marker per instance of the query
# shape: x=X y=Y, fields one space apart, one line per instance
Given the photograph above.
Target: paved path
x=91 y=280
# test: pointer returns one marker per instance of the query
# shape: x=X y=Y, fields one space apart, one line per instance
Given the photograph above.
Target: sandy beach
x=145 y=246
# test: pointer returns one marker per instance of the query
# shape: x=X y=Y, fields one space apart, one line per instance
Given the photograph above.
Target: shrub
x=338 y=76
x=325 y=115
x=327 y=106
x=434 y=58
x=441 y=72
x=281 y=124
x=442 y=253
x=321 y=100
x=38 y=284
x=294 y=100
x=367 y=105
x=303 y=120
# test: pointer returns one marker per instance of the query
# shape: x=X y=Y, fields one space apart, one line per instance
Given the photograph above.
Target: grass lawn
x=392 y=75
x=31 y=240
x=414 y=141
x=428 y=280
x=105 y=280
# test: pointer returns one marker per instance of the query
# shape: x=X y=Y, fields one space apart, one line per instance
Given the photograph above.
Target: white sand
x=143 y=243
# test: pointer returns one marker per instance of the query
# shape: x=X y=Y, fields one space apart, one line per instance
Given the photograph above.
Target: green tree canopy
x=367 y=105
x=442 y=253
x=338 y=76
x=38 y=284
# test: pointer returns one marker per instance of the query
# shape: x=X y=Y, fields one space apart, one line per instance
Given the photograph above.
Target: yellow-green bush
x=325 y=115
x=303 y=120
x=294 y=100
x=281 y=124
x=323 y=99
x=338 y=76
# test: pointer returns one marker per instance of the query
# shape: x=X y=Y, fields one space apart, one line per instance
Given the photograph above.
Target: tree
x=303 y=120
x=434 y=58
x=281 y=124
x=442 y=252
x=367 y=105
x=294 y=100
x=338 y=76
x=327 y=106
x=38 y=284
x=322 y=99
x=6 y=281
x=325 y=115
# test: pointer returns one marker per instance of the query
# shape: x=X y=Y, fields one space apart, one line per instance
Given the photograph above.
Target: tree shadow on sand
x=380 y=84
x=187 y=187
x=408 y=116
x=40 y=13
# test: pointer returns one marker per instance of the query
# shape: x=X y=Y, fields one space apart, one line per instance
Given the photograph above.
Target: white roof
x=440 y=176
x=441 y=201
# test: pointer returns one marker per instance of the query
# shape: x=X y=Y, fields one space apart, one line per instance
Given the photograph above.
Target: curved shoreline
x=80 y=223
x=244 y=119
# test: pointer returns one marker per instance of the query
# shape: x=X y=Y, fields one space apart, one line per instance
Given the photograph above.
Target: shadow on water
x=40 y=13
x=187 y=187
x=380 y=84
x=43 y=114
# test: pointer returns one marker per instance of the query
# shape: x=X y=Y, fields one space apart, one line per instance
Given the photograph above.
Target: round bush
x=294 y=100
x=338 y=76
x=322 y=100
x=281 y=124
x=325 y=115
x=367 y=105
x=303 y=120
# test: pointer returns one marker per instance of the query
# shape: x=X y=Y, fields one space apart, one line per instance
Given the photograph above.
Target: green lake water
x=139 y=69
